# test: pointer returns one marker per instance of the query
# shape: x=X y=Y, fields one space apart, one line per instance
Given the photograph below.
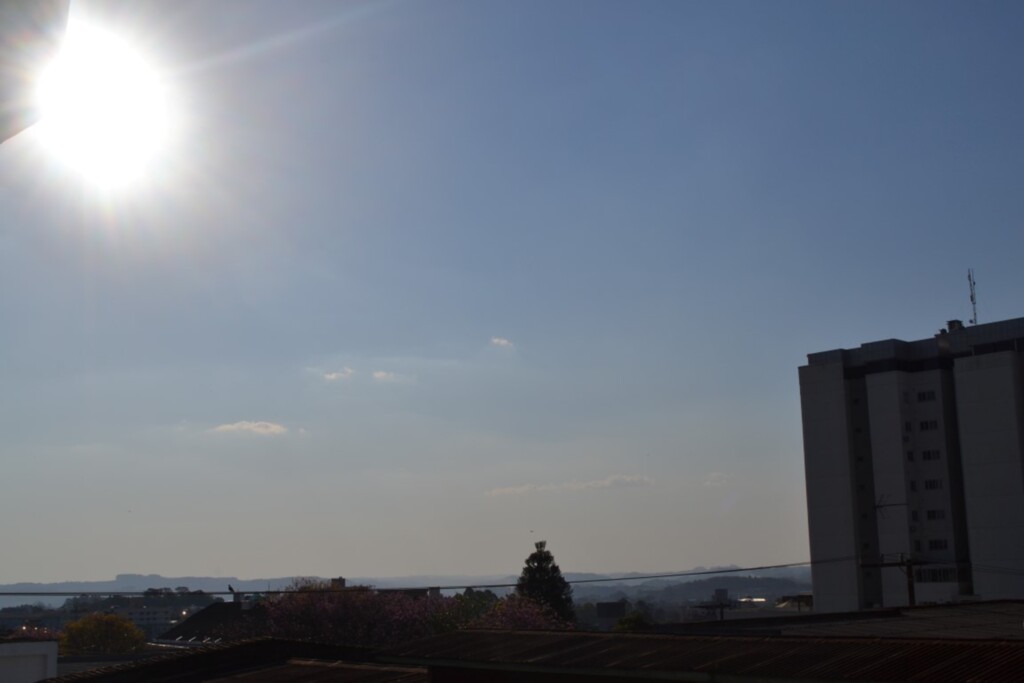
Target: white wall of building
x=830 y=490
x=916 y=450
x=887 y=416
x=990 y=411
x=27 y=661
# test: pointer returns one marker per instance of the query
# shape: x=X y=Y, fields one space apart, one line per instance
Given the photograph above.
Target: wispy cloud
x=501 y=342
x=246 y=426
x=336 y=375
x=715 y=480
x=391 y=377
x=613 y=482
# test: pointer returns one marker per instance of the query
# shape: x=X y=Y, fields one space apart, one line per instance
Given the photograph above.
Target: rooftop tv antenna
x=974 y=298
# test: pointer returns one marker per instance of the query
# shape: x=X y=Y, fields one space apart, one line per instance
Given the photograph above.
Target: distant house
x=216 y=623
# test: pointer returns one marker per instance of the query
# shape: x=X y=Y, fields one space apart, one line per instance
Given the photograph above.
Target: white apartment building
x=914 y=457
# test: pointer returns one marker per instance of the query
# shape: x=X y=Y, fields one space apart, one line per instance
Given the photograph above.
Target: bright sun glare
x=104 y=108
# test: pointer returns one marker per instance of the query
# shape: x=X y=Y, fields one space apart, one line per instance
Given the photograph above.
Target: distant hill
x=674 y=591
x=738 y=587
x=626 y=583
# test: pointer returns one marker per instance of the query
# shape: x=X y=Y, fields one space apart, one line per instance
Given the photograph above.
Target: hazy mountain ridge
x=630 y=584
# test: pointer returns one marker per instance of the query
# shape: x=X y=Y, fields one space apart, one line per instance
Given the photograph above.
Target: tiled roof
x=666 y=656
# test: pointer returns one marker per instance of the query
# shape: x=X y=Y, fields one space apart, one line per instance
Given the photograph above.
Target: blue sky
x=422 y=283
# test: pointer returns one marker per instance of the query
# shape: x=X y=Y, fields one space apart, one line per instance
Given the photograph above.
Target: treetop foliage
x=101 y=634
x=542 y=582
x=369 y=618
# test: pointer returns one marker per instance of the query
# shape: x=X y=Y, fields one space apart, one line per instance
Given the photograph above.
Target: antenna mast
x=974 y=298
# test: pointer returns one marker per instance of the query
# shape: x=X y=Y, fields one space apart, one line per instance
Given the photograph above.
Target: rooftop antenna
x=974 y=299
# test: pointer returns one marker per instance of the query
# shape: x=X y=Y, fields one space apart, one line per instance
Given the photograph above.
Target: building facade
x=914 y=465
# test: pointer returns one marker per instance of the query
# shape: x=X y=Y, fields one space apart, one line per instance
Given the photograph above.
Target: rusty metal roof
x=669 y=656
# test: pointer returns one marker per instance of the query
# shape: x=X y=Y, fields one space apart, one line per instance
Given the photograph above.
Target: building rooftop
x=220 y=621
x=255 y=661
x=953 y=341
x=667 y=657
x=998 y=620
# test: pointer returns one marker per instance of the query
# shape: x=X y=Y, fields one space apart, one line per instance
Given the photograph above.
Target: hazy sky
x=421 y=283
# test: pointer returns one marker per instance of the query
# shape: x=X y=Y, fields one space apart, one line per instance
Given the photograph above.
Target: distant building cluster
x=914 y=463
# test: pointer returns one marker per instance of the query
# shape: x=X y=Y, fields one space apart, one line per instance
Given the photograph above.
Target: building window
x=917 y=546
x=908 y=426
x=948 y=575
x=930 y=455
x=938 y=544
x=936 y=514
x=910 y=456
x=923 y=396
x=929 y=425
x=913 y=515
x=913 y=485
x=932 y=484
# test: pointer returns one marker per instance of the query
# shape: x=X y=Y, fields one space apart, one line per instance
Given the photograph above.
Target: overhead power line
x=644 y=577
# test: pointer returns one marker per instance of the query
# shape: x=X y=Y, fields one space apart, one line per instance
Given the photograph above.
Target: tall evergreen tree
x=542 y=582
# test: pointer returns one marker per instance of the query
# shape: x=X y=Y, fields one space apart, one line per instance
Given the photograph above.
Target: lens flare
x=104 y=108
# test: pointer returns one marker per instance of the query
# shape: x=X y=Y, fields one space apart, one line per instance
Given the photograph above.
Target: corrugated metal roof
x=840 y=659
x=329 y=672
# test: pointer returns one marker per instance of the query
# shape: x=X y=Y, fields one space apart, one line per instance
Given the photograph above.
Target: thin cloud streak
x=615 y=481
x=502 y=342
x=387 y=377
x=246 y=426
x=344 y=373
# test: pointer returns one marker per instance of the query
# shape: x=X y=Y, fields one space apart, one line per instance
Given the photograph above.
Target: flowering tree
x=368 y=618
x=519 y=613
x=31 y=633
x=361 y=617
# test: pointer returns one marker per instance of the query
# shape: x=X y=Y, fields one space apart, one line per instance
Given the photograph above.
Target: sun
x=104 y=109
